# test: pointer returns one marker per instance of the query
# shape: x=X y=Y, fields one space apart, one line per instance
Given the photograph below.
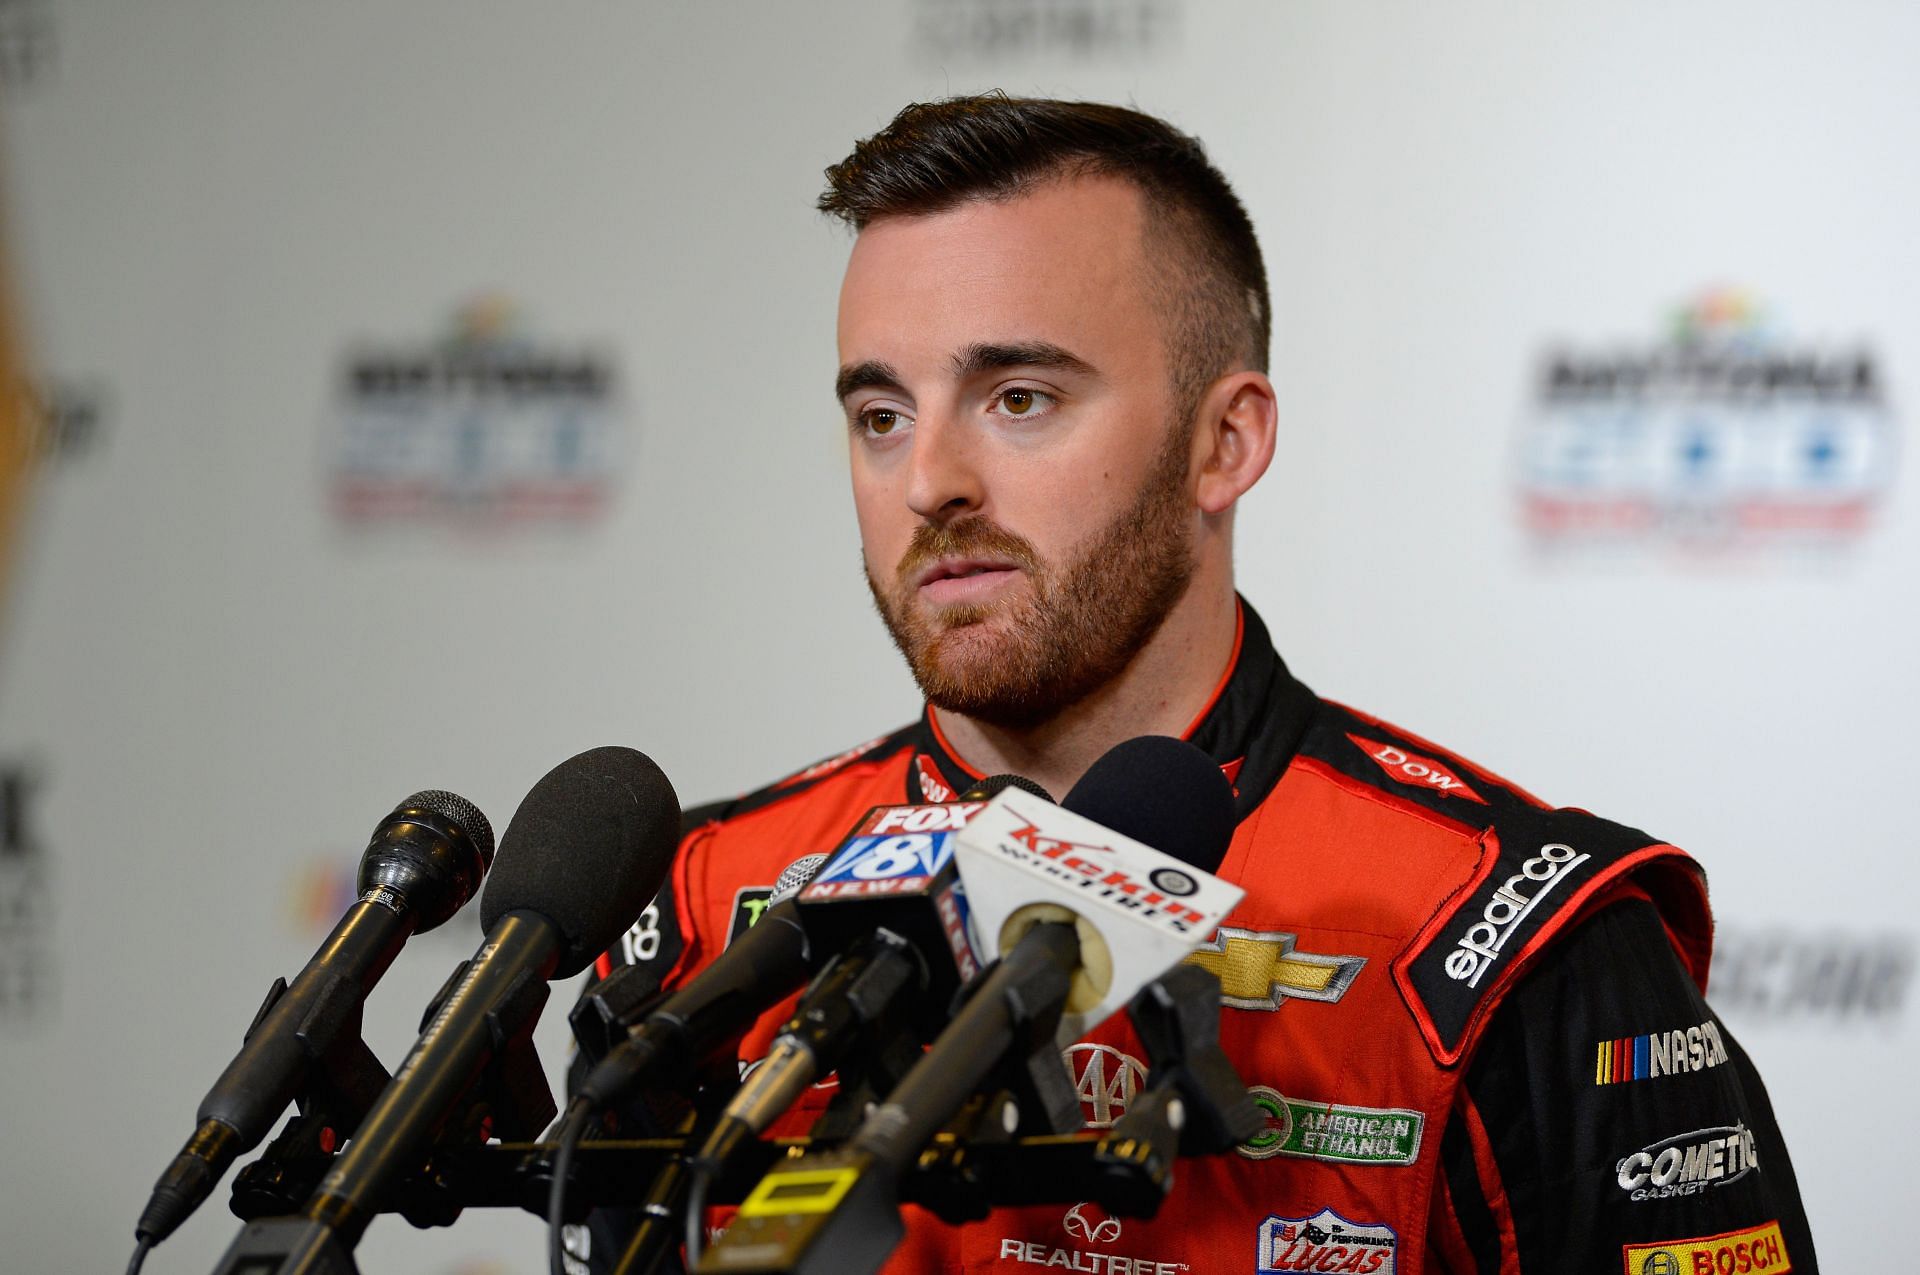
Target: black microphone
x=785 y=947
x=1162 y=792
x=859 y=993
x=1157 y=790
x=837 y=1212
x=424 y=861
x=586 y=850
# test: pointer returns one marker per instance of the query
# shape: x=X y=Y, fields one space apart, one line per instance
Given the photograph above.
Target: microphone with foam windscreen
x=1080 y=914
x=879 y=924
x=424 y=861
x=909 y=944
x=582 y=856
x=793 y=938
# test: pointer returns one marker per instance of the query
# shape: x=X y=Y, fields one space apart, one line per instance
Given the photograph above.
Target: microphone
x=584 y=853
x=1080 y=915
x=1139 y=902
x=791 y=940
x=424 y=861
x=1163 y=792
x=913 y=944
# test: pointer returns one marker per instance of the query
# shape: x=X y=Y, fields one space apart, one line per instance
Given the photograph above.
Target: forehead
x=1064 y=262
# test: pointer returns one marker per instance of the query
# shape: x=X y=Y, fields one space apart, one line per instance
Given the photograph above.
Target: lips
x=960 y=579
x=959 y=569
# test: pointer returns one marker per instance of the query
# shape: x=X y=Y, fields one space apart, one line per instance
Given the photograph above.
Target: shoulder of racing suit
x=1541 y=870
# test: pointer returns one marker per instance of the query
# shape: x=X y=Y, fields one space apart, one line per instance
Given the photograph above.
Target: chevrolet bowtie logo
x=1261 y=970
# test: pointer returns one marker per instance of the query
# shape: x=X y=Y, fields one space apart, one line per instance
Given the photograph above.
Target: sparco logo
x=1106 y=1080
x=1479 y=948
x=1688 y=1163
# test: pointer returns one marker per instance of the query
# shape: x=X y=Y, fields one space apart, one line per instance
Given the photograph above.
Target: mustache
x=976 y=537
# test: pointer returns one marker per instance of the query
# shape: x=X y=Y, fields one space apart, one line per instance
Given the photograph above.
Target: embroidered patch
x=1407 y=767
x=1326 y=1242
x=1756 y=1249
x=1261 y=970
x=1688 y=1163
x=748 y=904
x=1332 y=1132
x=1659 y=1054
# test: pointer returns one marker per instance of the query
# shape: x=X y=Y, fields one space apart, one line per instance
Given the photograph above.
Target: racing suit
x=1475 y=1023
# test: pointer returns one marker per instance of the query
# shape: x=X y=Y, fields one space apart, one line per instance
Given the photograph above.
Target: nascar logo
x=1659 y=1054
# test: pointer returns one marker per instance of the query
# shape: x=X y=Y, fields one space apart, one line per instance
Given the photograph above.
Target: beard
x=1017 y=663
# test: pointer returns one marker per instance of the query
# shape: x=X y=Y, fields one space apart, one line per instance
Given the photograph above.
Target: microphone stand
x=1192 y=1103
x=512 y=1100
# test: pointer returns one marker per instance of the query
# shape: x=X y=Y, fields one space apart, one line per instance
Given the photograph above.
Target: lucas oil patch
x=1326 y=1242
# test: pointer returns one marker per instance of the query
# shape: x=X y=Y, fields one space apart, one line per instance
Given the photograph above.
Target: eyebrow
x=982 y=357
x=976 y=358
x=864 y=376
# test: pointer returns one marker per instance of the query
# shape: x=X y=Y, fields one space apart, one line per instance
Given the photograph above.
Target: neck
x=1161 y=692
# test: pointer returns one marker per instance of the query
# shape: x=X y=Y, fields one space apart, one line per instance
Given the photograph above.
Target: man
x=1474 y=1021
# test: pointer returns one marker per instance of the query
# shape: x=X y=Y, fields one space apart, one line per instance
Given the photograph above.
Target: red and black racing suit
x=1476 y=1023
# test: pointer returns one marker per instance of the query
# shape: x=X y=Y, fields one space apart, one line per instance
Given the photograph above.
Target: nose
x=944 y=482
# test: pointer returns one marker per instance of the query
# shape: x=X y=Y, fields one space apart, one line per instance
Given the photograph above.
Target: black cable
x=573 y=1128
x=140 y=1251
x=696 y=1210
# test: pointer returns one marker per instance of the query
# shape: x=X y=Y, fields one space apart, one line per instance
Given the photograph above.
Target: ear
x=1233 y=439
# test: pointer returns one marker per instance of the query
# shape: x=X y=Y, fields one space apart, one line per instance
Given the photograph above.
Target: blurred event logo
x=1781 y=975
x=27 y=44
x=1725 y=434
x=484 y=428
x=66 y=416
x=1044 y=28
x=26 y=903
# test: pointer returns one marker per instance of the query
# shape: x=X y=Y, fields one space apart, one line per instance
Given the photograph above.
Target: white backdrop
x=212 y=682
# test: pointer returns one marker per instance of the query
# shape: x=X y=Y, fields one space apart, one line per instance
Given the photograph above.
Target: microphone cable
x=572 y=1129
x=701 y=1176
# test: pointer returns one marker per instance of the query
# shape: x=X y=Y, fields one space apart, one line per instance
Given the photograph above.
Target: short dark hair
x=935 y=155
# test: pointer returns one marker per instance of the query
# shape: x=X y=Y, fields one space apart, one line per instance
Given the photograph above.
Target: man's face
x=1020 y=479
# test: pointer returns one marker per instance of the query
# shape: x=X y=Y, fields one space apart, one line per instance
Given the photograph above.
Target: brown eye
x=1018 y=402
x=882 y=421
